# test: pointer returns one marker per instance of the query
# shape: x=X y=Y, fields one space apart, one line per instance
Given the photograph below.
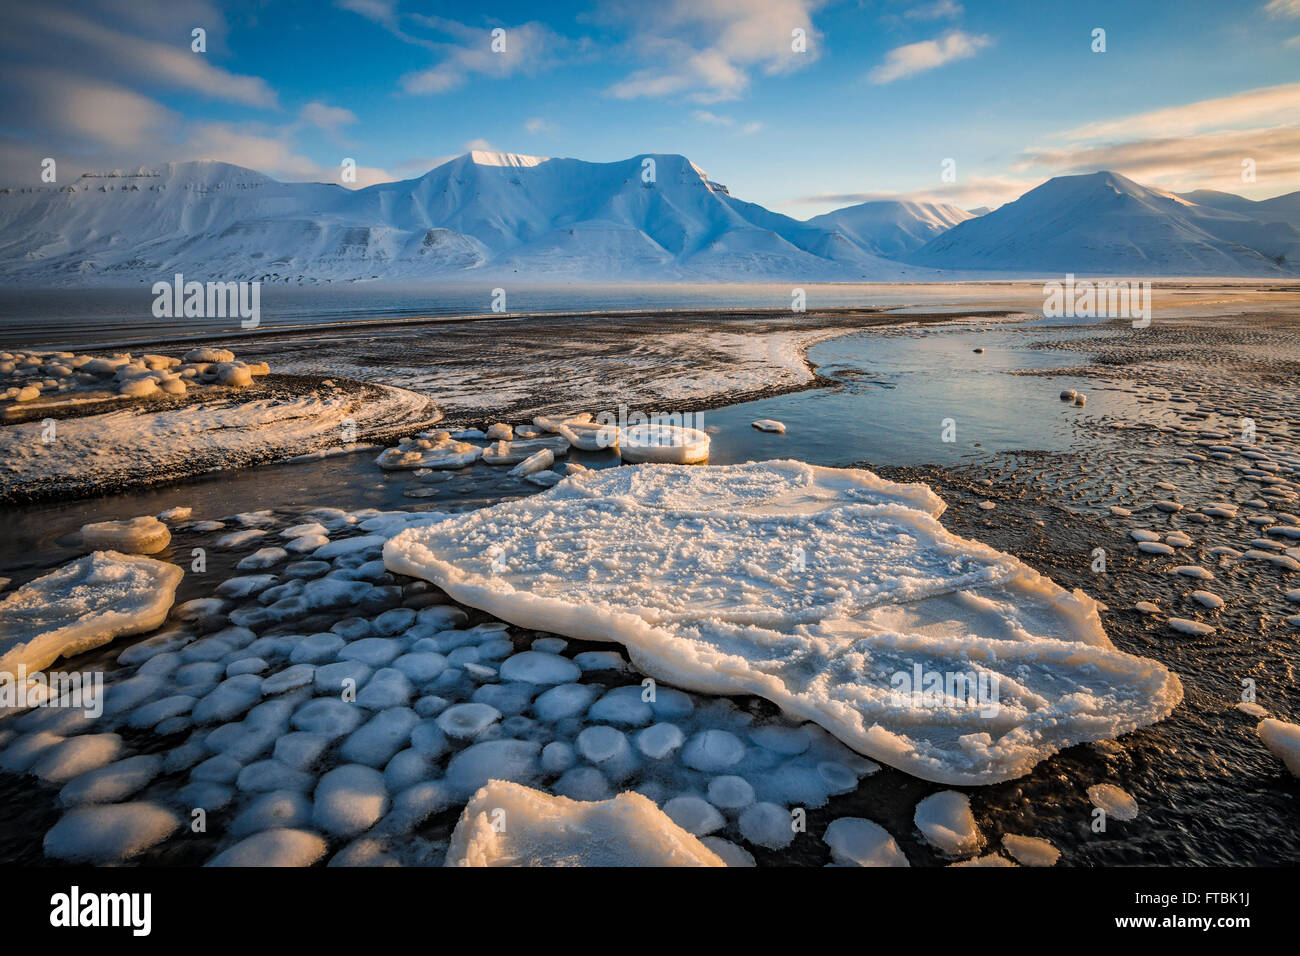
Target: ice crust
x=812 y=587
x=82 y=605
x=507 y=824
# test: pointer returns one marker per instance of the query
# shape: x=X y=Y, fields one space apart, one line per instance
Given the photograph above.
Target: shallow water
x=899 y=394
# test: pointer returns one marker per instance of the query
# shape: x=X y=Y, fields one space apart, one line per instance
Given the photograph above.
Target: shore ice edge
x=813 y=588
x=507 y=824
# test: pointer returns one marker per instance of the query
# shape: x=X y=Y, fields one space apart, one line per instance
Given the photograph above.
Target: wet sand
x=511 y=369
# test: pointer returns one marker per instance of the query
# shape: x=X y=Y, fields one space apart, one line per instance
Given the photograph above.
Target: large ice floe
x=83 y=605
x=511 y=825
x=833 y=593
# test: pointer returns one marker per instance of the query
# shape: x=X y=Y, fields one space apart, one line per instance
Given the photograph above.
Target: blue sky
x=883 y=94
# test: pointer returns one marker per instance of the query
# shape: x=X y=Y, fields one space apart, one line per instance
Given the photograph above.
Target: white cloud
x=528 y=48
x=419 y=165
x=1205 y=161
x=1283 y=8
x=703 y=49
x=968 y=193
x=383 y=12
x=704 y=116
x=1266 y=105
x=88 y=124
x=331 y=119
x=464 y=51
x=1199 y=145
x=939 y=10
x=916 y=58
x=537 y=125
x=713 y=119
x=75 y=112
x=114 y=54
x=269 y=152
x=708 y=49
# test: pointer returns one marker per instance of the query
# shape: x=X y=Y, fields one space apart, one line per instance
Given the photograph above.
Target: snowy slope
x=566 y=217
x=1278 y=209
x=890 y=228
x=206 y=219
x=1106 y=223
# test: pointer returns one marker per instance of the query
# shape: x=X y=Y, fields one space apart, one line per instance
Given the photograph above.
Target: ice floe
x=857 y=842
x=1030 y=851
x=589 y=437
x=813 y=587
x=767 y=825
x=1283 y=742
x=83 y=605
x=217 y=429
x=1115 y=801
x=110 y=833
x=517 y=452
x=436 y=455
x=143 y=535
x=1207 y=599
x=657 y=442
x=946 y=821
x=538 y=461
x=506 y=824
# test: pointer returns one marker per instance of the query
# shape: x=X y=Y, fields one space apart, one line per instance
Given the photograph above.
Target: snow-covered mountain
x=500 y=213
x=503 y=215
x=1105 y=223
x=1278 y=209
x=889 y=228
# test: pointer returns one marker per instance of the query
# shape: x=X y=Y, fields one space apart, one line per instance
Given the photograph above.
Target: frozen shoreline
x=1151 y=763
x=325 y=397
x=517 y=368
x=290 y=416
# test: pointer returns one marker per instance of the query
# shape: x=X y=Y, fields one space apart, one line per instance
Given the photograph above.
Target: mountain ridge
x=1104 y=222
x=651 y=217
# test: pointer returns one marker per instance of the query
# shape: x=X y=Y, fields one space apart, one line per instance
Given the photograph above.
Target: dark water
x=85 y=318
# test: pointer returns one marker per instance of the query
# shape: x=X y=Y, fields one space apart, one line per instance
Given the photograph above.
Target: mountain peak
x=485 y=157
x=1102 y=180
x=1105 y=223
